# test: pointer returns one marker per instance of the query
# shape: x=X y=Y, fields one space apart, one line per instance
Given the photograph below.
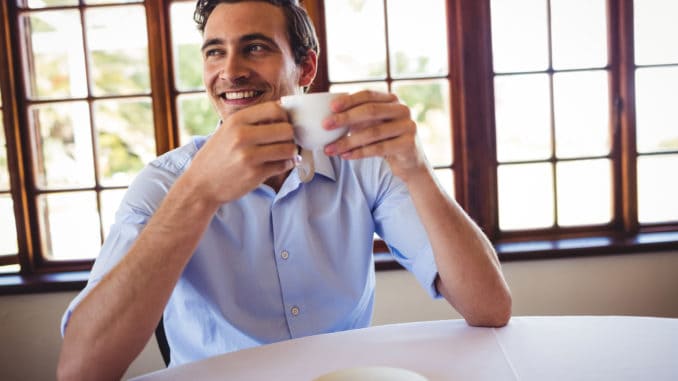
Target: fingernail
x=328 y=123
x=337 y=106
x=330 y=149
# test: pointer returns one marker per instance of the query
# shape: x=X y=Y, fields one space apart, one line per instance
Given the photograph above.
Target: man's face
x=247 y=57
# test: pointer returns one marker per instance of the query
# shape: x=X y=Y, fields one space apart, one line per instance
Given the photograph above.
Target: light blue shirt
x=274 y=266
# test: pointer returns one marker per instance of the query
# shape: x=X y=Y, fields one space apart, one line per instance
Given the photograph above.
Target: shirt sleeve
x=397 y=222
x=141 y=200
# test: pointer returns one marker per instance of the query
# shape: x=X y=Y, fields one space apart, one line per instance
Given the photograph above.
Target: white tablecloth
x=528 y=348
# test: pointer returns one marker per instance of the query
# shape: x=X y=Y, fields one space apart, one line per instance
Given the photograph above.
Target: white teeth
x=239 y=95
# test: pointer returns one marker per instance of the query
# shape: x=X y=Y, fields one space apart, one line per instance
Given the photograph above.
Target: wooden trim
x=473 y=110
x=316 y=11
x=162 y=78
x=17 y=147
x=628 y=177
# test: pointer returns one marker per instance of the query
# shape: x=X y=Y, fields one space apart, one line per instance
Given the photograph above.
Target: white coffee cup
x=307 y=112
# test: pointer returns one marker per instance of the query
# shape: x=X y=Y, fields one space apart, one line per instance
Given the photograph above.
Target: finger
x=271 y=153
x=383 y=148
x=263 y=133
x=263 y=113
x=367 y=112
x=273 y=168
x=371 y=135
x=348 y=101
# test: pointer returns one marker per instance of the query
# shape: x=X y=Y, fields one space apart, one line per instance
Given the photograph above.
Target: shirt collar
x=323 y=165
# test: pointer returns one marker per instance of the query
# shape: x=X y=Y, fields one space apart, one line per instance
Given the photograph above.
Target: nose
x=234 y=69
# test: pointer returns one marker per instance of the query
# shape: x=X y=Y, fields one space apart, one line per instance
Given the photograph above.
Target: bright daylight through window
x=547 y=119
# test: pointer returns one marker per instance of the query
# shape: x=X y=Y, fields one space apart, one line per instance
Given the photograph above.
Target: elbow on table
x=495 y=315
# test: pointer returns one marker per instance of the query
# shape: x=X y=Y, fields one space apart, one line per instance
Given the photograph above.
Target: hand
x=379 y=125
x=250 y=146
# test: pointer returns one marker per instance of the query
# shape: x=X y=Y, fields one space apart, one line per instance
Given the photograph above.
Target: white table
x=528 y=348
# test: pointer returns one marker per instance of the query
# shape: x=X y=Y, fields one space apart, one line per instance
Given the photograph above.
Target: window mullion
x=18 y=155
x=162 y=79
x=316 y=10
x=473 y=111
x=626 y=199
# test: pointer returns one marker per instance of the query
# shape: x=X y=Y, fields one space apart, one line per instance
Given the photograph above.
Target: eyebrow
x=210 y=42
x=245 y=38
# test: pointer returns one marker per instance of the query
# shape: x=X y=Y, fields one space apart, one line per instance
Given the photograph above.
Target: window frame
x=472 y=123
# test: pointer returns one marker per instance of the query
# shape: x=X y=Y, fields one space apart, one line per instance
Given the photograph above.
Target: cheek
x=209 y=75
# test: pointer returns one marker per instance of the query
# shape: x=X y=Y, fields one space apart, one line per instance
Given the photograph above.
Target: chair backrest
x=162 y=342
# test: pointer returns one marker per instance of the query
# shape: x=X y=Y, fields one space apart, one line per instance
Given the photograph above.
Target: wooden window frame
x=472 y=112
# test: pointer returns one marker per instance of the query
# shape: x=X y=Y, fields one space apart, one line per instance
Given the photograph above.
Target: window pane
x=125 y=138
x=584 y=192
x=49 y=3
x=54 y=49
x=196 y=116
x=118 y=50
x=355 y=39
x=8 y=241
x=656 y=115
x=429 y=104
x=581 y=114
x=63 y=145
x=69 y=225
x=4 y=173
x=446 y=179
x=88 y=2
x=525 y=196
x=519 y=35
x=186 y=41
x=422 y=50
x=10 y=269
x=657 y=188
x=655 y=31
x=579 y=32
x=356 y=87
x=110 y=202
x=523 y=117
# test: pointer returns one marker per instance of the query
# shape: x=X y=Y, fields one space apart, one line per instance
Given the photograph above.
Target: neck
x=276 y=182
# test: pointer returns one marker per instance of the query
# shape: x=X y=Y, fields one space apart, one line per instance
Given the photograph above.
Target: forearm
x=110 y=327
x=470 y=276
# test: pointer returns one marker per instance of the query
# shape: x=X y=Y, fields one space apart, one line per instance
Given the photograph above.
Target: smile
x=239 y=95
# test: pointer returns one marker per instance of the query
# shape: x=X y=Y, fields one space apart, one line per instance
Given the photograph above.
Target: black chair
x=162 y=342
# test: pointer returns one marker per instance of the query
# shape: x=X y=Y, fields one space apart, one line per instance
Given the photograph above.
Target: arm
x=111 y=325
x=469 y=274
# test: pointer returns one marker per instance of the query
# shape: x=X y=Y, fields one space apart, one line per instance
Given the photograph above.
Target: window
x=556 y=137
x=90 y=122
x=391 y=56
x=194 y=109
x=585 y=137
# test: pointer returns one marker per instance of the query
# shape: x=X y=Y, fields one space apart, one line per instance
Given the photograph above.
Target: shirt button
x=294 y=310
x=284 y=254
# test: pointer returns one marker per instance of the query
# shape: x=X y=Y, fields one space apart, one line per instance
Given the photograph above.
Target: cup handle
x=306 y=168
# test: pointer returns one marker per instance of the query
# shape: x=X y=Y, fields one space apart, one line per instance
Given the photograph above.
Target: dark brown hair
x=300 y=29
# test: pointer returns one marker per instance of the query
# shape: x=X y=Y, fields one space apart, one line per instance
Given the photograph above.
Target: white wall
x=639 y=284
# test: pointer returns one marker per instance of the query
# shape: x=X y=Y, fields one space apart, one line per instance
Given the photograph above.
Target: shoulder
x=150 y=186
x=177 y=160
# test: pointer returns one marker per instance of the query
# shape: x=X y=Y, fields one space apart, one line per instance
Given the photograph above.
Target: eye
x=213 y=53
x=256 y=48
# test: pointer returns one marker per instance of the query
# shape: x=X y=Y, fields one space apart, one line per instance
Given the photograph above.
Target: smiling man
x=222 y=240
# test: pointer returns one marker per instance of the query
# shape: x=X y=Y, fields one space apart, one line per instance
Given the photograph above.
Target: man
x=222 y=240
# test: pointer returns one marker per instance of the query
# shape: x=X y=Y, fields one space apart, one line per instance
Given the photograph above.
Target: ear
x=309 y=68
